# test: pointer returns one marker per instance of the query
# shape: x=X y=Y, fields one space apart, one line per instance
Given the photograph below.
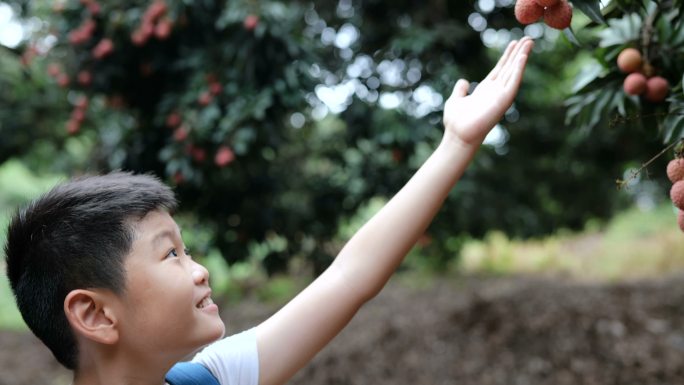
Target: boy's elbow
x=362 y=285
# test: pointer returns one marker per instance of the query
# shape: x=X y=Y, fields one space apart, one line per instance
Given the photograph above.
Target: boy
x=100 y=273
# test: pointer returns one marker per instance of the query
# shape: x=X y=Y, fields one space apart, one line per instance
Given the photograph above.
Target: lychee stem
x=621 y=183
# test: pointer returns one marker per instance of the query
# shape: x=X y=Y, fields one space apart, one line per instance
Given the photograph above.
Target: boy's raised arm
x=291 y=337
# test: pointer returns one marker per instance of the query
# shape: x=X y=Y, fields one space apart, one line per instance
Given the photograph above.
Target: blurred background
x=283 y=126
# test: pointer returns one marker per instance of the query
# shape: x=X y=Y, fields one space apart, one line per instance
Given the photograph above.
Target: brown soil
x=481 y=332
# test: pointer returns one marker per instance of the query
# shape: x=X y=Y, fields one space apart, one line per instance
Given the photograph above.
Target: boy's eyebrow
x=164 y=234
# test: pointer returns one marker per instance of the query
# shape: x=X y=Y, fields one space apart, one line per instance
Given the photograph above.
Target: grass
x=635 y=244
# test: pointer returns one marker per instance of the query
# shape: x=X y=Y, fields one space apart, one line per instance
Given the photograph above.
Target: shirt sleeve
x=233 y=360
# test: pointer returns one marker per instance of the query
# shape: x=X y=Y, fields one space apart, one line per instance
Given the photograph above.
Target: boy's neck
x=119 y=369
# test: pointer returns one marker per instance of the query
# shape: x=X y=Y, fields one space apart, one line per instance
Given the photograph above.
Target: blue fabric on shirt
x=190 y=373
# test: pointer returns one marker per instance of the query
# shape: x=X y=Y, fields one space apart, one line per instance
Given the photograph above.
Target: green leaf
x=571 y=37
x=673 y=126
x=621 y=31
x=587 y=75
x=591 y=8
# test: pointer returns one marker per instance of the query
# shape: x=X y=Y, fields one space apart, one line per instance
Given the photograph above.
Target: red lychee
x=558 y=16
x=173 y=120
x=103 y=48
x=205 y=98
x=156 y=10
x=178 y=178
x=528 y=11
x=547 y=3
x=198 y=154
x=94 y=8
x=82 y=102
x=180 y=134
x=54 y=69
x=73 y=126
x=675 y=170
x=85 y=78
x=63 y=80
x=139 y=38
x=656 y=89
x=78 y=115
x=163 y=29
x=215 y=88
x=677 y=194
x=224 y=156
x=634 y=84
x=251 y=22
x=629 y=60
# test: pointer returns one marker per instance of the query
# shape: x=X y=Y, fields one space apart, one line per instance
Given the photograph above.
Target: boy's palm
x=468 y=118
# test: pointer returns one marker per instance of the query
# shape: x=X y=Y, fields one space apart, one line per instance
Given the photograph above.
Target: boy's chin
x=218 y=330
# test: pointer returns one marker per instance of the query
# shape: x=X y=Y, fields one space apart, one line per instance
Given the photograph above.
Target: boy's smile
x=167 y=305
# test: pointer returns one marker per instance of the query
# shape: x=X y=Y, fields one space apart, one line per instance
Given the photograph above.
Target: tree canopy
x=281 y=119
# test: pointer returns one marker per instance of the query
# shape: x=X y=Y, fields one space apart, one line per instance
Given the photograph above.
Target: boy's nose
x=200 y=274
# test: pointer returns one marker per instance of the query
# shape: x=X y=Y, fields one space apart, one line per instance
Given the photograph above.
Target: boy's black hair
x=76 y=236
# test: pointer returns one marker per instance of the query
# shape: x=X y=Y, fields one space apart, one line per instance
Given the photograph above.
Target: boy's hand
x=468 y=118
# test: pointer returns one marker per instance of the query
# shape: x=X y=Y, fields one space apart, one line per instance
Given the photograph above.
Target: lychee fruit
x=85 y=78
x=163 y=29
x=528 y=11
x=224 y=156
x=54 y=69
x=63 y=80
x=675 y=170
x=82 y=102
x=547 y=3
x=656 y=89
x=180 y=134
x=680 y=220
x=139 y=38
x=677 y=194
x=205 y=98
x=73 y=126
x=215 y=88
x=629 y=60
x=103 y=48
x=251 y=22
x=634 y=84
x=558 y=16
x=198 y=154
x=173 y=120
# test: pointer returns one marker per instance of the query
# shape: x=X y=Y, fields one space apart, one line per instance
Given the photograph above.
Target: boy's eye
x=174 y=253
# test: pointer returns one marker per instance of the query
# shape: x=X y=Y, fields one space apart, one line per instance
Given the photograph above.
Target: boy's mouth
x=205 y=302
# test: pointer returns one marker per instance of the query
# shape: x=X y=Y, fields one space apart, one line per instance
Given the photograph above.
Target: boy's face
x=164 y=308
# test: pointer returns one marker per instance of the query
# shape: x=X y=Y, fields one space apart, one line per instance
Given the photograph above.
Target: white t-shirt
x=233 y=360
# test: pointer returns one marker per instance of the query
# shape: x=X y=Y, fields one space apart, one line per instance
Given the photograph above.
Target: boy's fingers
x=460 y=89
x=512 y=58
x=504 y=57
x=515 y=78
x=515 y=69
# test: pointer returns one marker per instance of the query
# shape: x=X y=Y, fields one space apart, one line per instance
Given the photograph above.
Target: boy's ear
x=91 y=315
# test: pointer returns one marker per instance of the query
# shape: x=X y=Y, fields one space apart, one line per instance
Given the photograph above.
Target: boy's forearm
x=371 y=256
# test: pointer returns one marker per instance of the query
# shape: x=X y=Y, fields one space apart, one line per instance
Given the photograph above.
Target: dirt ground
x=512 y=331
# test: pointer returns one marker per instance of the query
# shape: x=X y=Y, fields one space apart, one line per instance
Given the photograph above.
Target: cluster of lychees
x=556 y=13
x=675 y=171
x=640 y=80
x=154 y=23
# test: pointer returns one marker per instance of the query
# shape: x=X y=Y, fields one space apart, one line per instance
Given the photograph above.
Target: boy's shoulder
x=231 y=360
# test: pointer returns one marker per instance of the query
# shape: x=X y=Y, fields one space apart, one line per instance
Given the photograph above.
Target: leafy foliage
x=656 y=29
x=227 y=101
